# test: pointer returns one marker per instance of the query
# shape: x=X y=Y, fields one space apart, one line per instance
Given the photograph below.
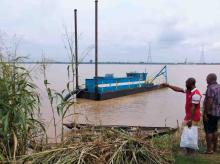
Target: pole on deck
x=96 y=48
x=76 y=49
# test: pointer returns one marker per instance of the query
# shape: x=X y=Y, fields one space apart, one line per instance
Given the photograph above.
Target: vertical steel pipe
x=76 y=49
x=96 y=47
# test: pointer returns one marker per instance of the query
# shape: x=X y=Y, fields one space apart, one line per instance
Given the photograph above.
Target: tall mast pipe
x=96 y=47
x=76 y=48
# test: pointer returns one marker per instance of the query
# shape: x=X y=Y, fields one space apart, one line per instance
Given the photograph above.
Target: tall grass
x=50 y=98
x=19 y=108
x=57 y=101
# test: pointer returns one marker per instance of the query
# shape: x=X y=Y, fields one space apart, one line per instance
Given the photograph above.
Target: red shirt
x=193 y=97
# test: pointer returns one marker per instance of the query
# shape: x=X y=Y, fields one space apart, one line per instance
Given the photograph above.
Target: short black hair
x=191 y=81
x=212 y=77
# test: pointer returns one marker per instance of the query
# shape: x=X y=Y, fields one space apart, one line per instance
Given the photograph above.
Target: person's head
x=190 y=83
x=211 y=78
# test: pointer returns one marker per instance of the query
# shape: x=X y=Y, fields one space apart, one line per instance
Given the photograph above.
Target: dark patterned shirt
x=213 y=91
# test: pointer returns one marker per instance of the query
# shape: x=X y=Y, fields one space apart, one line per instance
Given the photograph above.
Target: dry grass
x=106 y=146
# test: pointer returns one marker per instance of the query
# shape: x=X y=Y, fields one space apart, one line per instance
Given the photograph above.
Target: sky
x=175 y=29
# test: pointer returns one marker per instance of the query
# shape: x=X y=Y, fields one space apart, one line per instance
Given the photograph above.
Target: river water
x=155 y=108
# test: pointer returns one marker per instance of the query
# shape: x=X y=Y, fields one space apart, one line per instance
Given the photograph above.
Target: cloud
x=176 y=29
x=170 y=35
x=215 y=45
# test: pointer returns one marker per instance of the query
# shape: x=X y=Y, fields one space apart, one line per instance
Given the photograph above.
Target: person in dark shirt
x=211 y=114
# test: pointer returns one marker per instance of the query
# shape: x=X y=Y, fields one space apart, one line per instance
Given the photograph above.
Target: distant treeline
x=138 y=63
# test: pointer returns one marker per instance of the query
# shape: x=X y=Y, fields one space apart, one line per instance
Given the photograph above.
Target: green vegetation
x=19 y=109
x=60 y=105
x=197 y=158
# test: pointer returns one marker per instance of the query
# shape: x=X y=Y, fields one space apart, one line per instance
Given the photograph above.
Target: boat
x=107 y=87
x=146 y=131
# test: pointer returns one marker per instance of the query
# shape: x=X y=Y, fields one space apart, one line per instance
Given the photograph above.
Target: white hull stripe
x=121 y=84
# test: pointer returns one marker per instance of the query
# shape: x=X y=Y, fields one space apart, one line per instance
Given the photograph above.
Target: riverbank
x=110 y=145
x=197 y=157
x=116 y=145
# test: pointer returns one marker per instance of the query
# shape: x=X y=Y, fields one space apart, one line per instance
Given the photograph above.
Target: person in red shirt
x=192 y=106
x=193 y=98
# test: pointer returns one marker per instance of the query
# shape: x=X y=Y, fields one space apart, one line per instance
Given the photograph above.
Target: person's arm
x=209 y=104
x=204 y=106
x=175 y=88
x=205 y=109
x=195 y=101
x=209 y=99
x=192 y=112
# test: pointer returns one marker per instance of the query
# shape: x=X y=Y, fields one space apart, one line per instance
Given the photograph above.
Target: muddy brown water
x=155 y=108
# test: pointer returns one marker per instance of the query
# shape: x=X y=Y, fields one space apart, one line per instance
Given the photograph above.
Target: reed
x=19 y=109
x=50 y=96
x=58 y=104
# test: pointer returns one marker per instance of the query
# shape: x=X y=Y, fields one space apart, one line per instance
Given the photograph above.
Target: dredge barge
x=107 y=87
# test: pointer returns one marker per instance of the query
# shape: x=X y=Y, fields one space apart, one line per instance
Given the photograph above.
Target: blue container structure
x=112 y=84
x=111 y=87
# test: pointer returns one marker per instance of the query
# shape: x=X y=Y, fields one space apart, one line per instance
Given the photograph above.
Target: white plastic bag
x=189 y=137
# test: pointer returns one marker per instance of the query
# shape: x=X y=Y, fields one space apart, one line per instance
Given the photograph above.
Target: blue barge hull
x=109 y=95
x=102 y=88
